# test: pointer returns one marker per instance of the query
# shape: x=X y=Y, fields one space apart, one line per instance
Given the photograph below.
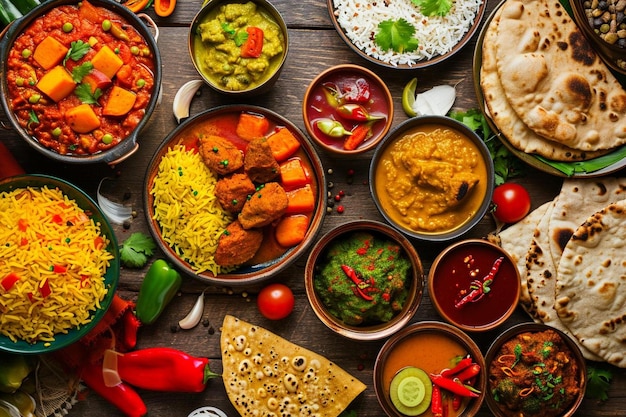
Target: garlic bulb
x=183 y=97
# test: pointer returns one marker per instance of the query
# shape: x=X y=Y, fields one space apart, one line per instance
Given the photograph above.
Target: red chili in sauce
x=45 y=119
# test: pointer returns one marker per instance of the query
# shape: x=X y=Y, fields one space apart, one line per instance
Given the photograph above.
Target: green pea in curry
x=363 y=279
x=238 y=46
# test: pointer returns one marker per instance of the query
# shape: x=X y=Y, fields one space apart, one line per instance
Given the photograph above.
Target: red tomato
x=512 y=202
x=275 y=301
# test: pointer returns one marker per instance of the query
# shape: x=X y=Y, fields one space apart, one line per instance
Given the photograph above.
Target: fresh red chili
x=452 y=386
x=463 y=363
x=164 y=369
x=351 y=273
x=456 y=402
x=436 y=406
x=59 y=269
x=480 y=288
x=10 y=280
x=121 y=396
x=253 y=45
x=130 y=328
x=468 y=373
x=359 y=135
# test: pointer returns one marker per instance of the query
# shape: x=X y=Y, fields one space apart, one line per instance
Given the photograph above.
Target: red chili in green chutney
x=453 y=281
x=363 y=278
x=44 y=110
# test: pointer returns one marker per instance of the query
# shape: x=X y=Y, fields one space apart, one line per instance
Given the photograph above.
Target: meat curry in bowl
x=432 y=178
x=234 y=195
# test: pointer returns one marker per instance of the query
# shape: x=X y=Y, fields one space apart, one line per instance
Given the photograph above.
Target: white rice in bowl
x=437 y=35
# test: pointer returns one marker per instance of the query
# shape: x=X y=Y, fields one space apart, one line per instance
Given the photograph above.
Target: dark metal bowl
x=128 y=145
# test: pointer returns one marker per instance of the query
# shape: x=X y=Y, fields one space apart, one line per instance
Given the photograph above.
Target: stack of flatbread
x=571 y=254
x=545 y=88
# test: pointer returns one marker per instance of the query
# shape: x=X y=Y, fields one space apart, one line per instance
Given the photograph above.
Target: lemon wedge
x=408 y=98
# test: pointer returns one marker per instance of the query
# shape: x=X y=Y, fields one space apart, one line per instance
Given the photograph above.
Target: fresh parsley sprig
x=78 y=49
x=396 y=35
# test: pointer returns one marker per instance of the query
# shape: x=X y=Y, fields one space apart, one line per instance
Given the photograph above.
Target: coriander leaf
x=83 y=92
x=240 y=37
x=78 y=49
x=226 y=27
x=79 y=71
x=32 y=118
x=396 y=35
x=598 y=382
x=135 y=250
x=433 y=7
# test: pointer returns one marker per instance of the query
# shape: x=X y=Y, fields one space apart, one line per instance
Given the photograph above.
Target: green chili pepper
x=158 y=288
x=14 y=368
x=332 y=128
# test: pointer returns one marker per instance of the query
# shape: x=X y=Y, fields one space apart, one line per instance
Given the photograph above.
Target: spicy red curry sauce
x=80 y=78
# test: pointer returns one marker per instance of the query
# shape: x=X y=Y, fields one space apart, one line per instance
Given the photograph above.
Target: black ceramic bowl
x=126 y=146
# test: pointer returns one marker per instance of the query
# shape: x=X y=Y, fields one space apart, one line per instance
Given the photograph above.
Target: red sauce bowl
x=353 y=85
x=468 y=264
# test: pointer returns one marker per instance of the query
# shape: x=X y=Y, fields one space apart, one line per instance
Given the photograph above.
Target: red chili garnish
x=436 y=406
x=456 y=402
x=468 y=373
x=463 y=363
x=45 y=290
x=480 y=288
x=359 y=283
x=452 y=386
x=57 y=219
x=98 y=242
x=23 y=241
x=359 y=135
x=9 y=281
x=253 y=45
x=22 y=224
x=59 y=269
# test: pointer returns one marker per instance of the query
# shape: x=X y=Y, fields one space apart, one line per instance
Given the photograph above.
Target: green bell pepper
x=14 y=368
x=158 y=288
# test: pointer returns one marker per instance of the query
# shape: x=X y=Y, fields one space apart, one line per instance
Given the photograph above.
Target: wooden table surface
x=314 y=46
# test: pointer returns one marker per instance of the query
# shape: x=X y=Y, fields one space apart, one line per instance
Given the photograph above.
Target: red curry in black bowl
x=80 y=78
x=474 y=285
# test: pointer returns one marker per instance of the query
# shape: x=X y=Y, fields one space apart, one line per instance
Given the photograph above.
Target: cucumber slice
x=411 y=391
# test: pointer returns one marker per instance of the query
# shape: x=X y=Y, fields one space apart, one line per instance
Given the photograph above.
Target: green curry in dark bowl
x=238 y=46
x=535 y=370
x=364 y=280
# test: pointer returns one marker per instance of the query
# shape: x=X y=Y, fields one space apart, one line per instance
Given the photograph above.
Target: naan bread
x=266 y=375
x=554 y=80
x=516 y=239
x=591 y=290
x=579 y=199
x=505 y=118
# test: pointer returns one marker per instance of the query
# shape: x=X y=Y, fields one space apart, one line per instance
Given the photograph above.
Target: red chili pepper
x=253 y=45
x=22 y=225
x=121 y=396
x=356 y=112
x=164 y=369
x=468 y=373
x=9 y=281
x=130 y=328
x=463 y=363
x=436 y=406
x=480 y=288
x=59 y=269
x=452 y=386
x=456 y=402
x=351 y=273
x=359 y=135
x=57 y=219
x=8 y=164
x=45 y=290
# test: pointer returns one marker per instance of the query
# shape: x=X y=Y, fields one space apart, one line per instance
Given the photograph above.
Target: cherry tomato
x=512 y=202
x=275 y=301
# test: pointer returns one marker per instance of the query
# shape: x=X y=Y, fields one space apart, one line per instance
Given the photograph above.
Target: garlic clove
x=192 y=319
x=183 y=97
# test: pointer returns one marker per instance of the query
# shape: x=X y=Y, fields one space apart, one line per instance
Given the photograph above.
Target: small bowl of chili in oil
x=430 y=368
x=535 y=370
x=432 y=178
x=474 y=284
x=347 y=109
x=364 y=280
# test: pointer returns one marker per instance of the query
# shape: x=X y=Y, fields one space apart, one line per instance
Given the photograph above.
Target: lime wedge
x=408 y=98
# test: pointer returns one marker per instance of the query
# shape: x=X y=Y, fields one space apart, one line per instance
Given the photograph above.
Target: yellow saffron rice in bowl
x=53 y=260
x=186 y=209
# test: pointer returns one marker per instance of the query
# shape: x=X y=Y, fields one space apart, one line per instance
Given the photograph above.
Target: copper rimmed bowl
x=128 y=143
x=272 y=257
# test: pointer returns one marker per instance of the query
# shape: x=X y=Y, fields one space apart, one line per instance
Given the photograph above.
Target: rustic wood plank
x=308 y=20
